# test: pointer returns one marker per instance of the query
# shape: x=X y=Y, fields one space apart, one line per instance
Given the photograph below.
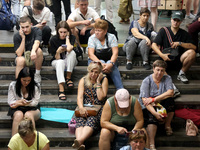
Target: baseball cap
x=177 y=15
x=122 y=97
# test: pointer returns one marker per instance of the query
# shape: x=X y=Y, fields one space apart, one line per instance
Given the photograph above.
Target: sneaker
x=53 y=33
x=147 y=66
x=129 y=66
x=191 y=16
x=45 y=50
x=37 y=78
x=176 y=93
x=182 y=78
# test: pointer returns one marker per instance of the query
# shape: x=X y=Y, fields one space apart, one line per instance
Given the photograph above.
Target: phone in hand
x=29 y=101
x=43 y=23
x=64 y=45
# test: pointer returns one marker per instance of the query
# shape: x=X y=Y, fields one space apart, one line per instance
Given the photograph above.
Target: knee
x=60 y=63
x=105 y=135
x=29 y=115
x=72 y=55
x=20 y=61
x=18 y=116
x=192 y=54
x=39 y=52
x=47 y=30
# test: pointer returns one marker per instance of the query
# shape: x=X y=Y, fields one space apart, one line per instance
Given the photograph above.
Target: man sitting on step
x=28 y=38
x=181 y=41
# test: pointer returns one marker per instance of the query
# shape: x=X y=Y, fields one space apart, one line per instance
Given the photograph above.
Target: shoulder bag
x=92 y=110
x=172 y=51
x=104 y=53
x=27 y=56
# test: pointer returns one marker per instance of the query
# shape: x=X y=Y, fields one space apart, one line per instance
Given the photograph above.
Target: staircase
x=58 y=133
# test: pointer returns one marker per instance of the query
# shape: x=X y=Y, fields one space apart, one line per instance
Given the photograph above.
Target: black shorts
x=149 y=118
x=24 y=109
x=84 y=38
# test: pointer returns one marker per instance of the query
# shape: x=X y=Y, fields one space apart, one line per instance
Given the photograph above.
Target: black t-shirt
x=36 y=34
x=181 y=36
x=56 y=42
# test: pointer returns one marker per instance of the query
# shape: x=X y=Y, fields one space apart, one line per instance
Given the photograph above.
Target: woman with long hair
x=23 y=98
x=61 y=48
x=92 y=88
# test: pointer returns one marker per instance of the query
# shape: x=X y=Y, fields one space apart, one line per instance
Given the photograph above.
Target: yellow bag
x=28 y=60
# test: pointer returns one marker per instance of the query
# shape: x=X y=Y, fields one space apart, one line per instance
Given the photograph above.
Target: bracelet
x=98 y=84
x=99 y=87
x=153 y=100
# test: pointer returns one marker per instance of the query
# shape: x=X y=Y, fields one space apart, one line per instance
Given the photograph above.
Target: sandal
x=152 y=147
x=61 y=97
x=76 y=144
x=82 y=147
x=69 y=83
x=168 y=131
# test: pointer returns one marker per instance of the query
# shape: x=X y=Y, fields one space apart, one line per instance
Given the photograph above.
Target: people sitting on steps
x=28 y=38
x=81 y=21
x=64 y=57
x=40 y=15
x=141 y=34
x=23 y=98
x=157 y=89
x=103 y=47
x=181 y=41
x=121 y=113
x=92 y=89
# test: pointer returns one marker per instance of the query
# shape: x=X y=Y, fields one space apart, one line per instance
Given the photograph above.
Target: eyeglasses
x=134 y=132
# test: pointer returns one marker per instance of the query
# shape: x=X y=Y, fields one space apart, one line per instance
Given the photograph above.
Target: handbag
x=92 y=110
x=172 y=51
x=191 y=128
x=104 y=53
x=78 y=51
x=160 y=109
x=28 y=61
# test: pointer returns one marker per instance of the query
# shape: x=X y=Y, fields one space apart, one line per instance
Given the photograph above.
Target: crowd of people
x=122 y=114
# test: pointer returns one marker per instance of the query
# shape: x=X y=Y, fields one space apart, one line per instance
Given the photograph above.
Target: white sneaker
x=191 y=16
x=176 y=93
x=53 y=33
x=37 y=78
x=45 y=50
x=182 y=78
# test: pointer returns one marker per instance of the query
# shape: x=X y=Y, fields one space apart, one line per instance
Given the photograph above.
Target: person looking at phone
x=141 y=34
x=157 y=88
x=121 y=113
x=182 y=41
x=61 y=48
x=23 y=98
x=103 y=47
x=40 y=15
x=92 y=88
x=137 y=140
x=28 y=38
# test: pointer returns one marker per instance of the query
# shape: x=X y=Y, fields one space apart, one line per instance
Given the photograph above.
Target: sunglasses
x=134 y=132
x=96 y=62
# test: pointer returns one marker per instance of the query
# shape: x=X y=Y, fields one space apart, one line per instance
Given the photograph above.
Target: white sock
x=37 y=71
x=144 y=62
x=128 y=61
x=181 y=72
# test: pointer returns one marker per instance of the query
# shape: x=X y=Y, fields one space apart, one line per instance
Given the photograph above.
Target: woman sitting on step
x=61 y=48
x=157 y=88
x=92 y=89
x=28 y=138
x=23 y=98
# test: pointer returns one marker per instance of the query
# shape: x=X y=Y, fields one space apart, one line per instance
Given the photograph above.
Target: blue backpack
x=7 y=19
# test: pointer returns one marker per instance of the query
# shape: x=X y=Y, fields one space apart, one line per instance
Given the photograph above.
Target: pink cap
x=122 y=96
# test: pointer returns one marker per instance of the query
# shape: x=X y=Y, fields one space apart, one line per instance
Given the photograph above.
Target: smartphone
x=88 y=105
x=29 y=101
x=43 y=23
x=64 y=45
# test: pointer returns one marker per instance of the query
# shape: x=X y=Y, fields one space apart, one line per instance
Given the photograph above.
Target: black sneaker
x=129 y=66
x=147 y=66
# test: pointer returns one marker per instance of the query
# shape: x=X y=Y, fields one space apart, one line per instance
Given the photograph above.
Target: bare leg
x=75 y=33
x=187 y=59
x=195 y=6
x=151 y=130
x=69 y=74
x=169 y=118
x=33 y=115
x=39 y=59
x=20 y=63
x=17 y=118
x=154 y=16
x=188 y=5
x=106 y=137
x=85 y=133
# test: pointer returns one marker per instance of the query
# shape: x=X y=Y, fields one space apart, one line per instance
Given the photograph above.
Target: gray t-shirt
x=150 y=89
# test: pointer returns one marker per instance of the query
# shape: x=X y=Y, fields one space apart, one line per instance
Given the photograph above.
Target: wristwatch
x=112 y=63
x=180 y=43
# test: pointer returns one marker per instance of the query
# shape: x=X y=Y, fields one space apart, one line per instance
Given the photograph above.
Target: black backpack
x=111 y=27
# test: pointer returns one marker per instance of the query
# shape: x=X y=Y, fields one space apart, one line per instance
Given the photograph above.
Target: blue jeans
x=114 y=74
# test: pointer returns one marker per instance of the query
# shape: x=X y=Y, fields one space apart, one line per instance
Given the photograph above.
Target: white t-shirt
x=43 y=16
x=75 y=16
